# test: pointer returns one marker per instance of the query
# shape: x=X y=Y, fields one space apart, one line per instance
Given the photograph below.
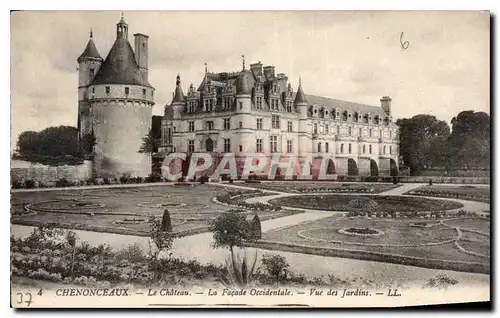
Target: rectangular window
x=259 y=102
x=227 y=145
x=350 y=131
x=210 y=125
x=326 y=129
x=93 y=90
x=289 y=106
x=258 y=145
x=259 y=123
x=276 y=122
x=107 y=89
x=338 y=130
x=127 y=90
x=327 y=147
x=370 y=132
x=241 y=105
x=341 y=148
x=191 y=126
x=360 y=133
x=227 y=123
x=289 y=148
x=274 y=143
x=191 y=146
x=370 y=149
x=211 y=105
x=290 y=126
x=390 y=150
x=350 y=148
x=143 y=92
x=241 y=148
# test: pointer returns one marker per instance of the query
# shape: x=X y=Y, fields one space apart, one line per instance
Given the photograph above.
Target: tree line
x=429 y=143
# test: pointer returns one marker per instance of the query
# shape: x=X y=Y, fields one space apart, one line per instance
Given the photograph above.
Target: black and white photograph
x=166 y=159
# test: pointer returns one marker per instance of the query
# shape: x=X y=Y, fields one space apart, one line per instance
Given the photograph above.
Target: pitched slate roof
x=344 y=105
x=120 y=66
x=178 y=95
x=90 y=51
x=300 y=97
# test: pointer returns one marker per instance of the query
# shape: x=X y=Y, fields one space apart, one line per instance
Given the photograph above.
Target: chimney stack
x=385 y=102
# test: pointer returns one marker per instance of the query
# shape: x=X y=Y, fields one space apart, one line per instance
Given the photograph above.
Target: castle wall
x=48 y=175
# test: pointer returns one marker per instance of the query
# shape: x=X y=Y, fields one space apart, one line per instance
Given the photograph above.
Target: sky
x=357 y=56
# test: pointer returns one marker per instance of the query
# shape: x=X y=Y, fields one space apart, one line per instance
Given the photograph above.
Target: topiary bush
x=166 y=222
x=256 y=228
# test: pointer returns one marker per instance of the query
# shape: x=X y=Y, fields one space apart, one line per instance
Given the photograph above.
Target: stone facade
x=257 y=111
x=115 y=103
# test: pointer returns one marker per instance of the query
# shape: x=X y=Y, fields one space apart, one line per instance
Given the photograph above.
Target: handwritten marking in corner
x=405 y=44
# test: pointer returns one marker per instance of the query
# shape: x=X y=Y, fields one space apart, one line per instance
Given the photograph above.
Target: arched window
x=319 y=147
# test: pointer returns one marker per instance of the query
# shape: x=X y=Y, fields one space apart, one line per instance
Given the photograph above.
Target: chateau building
x=115 y=101
x=256 y=111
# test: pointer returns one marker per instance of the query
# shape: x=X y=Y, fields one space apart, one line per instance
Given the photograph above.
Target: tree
x=275 y=265
x=423 y=141
x=469 y=142
x=50 y=145
x=256 y=228
x=229 y=230
x=166 y=223
x=161 y=239
x=150 y=143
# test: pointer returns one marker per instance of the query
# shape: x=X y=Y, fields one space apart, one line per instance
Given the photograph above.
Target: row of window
x=127 y=91
x=273 y=143
x=325 y=130
x=345 y=115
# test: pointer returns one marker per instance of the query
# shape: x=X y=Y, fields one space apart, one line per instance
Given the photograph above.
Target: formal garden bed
x=435 y=240
x=374 y=204
x=322 y=186
x=465 y=192
x=123 y=211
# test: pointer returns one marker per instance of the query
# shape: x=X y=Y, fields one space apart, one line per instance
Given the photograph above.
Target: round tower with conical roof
x=120 y=101
x=243 y=118
x=301 y=104
x=89 y=63
x=178 y=99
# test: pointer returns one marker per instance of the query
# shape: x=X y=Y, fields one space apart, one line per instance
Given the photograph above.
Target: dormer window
x=127 y=90
x=107 y=89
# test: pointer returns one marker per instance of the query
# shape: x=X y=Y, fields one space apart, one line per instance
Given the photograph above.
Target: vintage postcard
x=252 y=158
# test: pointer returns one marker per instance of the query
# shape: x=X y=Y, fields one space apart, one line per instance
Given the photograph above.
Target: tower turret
x=301 y=100
x=178 y=99
x=243 y=91
x=89 y=62
x=122 y=29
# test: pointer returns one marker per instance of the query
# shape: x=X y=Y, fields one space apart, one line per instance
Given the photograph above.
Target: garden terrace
x=321 y=186
x=388 y=204
x=127 y=210
x=465 y=192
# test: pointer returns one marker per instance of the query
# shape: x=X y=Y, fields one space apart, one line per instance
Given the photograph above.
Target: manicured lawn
x=468 y=192
x=333 y=202
x=113 y=210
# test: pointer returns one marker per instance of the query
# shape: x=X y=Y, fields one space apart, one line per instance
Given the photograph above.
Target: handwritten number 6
x=405 y=44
